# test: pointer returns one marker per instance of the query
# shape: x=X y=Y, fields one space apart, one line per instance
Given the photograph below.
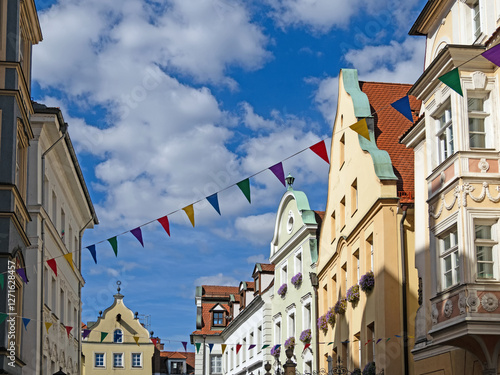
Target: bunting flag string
x=197 y=345
x=452 y=80
x=85 y=333
x=52 y=264
x=223 y=348
x=361 y=127
x=493 y=54
x=138 y=234
x=320 y=150
x=92 y=252
x=26 y=321
x=136 y=339
x=238 y=347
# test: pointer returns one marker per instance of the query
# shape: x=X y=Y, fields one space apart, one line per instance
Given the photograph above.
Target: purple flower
x=282 y=290
x=323 y=323
x=297 y=279
x=340 y=306
x=353 y=294
x=330 y=316
x=276 y=350
x=290 y=343
x=367 y=282
x=305 y=336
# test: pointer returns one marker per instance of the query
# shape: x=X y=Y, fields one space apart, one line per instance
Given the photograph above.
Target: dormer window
x=118 y=336
x=218 y=319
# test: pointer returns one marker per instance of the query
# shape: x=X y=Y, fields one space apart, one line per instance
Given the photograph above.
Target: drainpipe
x=403 y=286
x=63 y=129
x=315 y=284
x=204 y=355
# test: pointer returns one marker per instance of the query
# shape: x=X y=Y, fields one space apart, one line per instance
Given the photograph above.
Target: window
x=369 y=243
x=342 y=213
x=218 y=319
x=99 y=359
x=117 y=359
x=307 y=316
x=445 y=134
x=291 y=325
x=485 y=243
x=342 y=151
x=333 y=223
x=450 y=262
x=118 y=336
x=284 y=275
x=54 y=208
x=250 y=343
x=354 y=197
x=216 y=364
x=259 y=338
x=63 y=225
x=176 y=367
x=476 y=19
x=477 y=109
x=356 y=262
x=370 y=334
x=357 y=342
x=61 y=306
x=277 y=332
x=344 y=281
x=53 y=295
x=298 y=262
x=136 y=359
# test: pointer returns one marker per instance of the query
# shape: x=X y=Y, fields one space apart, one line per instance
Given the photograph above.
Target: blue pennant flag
x=403 y=106
x=92 y=252
x=214 y=201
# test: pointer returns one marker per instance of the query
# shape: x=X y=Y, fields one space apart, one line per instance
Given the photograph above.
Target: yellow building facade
x=118 y=352
x=368 y=226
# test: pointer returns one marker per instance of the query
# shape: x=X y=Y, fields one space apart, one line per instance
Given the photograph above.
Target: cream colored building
x=368 y=226
x=457 y=211
x=118 y=352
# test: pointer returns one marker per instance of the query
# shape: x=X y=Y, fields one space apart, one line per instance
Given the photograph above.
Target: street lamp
x=289 y=180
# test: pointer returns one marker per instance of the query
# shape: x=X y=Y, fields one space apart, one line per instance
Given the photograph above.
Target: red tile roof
x=173 y=355
x=267 y=267
x=321 y=215
x=389 y=126
x=218 y=291
x=190 y=359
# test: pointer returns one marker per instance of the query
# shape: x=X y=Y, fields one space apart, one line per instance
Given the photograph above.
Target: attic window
x=118 y=336
x=218 y=319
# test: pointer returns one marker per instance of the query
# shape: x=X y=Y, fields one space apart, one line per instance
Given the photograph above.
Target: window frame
x=452 y=251
x=132 y=360
x=214 y=313
x=492 y=242
x=103 y=360
x=445 y=130
x=212 y=357
x=485 y=115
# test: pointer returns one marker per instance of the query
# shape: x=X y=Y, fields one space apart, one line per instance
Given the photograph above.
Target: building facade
x=19 y=30
x=368 y=233
x=456 y=143
x=117 y=343
x=294 y=253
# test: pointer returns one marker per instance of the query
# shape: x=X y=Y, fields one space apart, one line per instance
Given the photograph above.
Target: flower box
x=290 y=343
x=305 y=336
x=367 y=282
x=282 y=290
x=276 y=351
x=341 y=306
x=323 y=324
x=330 y=316
x=297 y=280
x=353 y=294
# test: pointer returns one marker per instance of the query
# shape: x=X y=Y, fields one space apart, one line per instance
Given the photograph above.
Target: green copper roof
x=308 y=216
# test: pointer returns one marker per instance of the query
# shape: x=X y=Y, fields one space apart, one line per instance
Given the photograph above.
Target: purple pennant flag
x=493 y=54
x=251 y=346
x=85 y=333
x=277 y=169
x=138 y=234
x=378 y=341
x=184 y=344
x=22 y=272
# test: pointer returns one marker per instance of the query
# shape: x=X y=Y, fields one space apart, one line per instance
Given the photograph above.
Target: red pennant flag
x=238 y=347
x=52 y=264
x=154 y=341
x=164 y=223
x=320 y=150
x=306 y=346
x=68 y=330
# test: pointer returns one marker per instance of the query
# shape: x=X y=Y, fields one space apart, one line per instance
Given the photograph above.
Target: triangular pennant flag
x=251 y=347
x=52 y=264
x=345 y=342
x=137 y=232
x=320 y=150
x=69 y=258
x=238 y=347
x=306 y=346
x=136 y=339
x=92 y=252
x=68 y=330
x=397 y=335
x=410 y=337
x=387 y=339
x=22 y=273
x=3 y=316
x=265 y=346
x=277 y=169
x=223 y=347
x=114 y=244
x=361 y=127
x=2 y=280
x=493 y=54
x=184 y=344
x=154 y=340
x=47 y=326
x=245 y=188
x=452 y=80
x=378 y=341
x=85 y=333
x=103 y=335
x=330 y=343
x=210 y=347
x=164 y=223
x=403 y=106
x=214 y=201
x=26 y=321
x=190 y=213
x=197 y=344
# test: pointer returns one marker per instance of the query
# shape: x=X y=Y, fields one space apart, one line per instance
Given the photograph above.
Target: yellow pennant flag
x=69 y=258
x=136 y=338
x=361 y=127
x=47 y=326
x=190 y=212
x=223 y=348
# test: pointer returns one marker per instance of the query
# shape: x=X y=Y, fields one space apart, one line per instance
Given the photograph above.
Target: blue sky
x=169 y=101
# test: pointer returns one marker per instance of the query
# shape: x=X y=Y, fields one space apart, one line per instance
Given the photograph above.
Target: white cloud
x=258 y=229
x=219 y=279
x=257 y=259
x=254 y=121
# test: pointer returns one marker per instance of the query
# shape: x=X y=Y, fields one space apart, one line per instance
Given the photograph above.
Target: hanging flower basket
x=340 y=306
x=276 y=351
x=305 y=336
x=290 y=343
x=367 y=282
x=323 y=324
x=330 y=316
x=297 y=280
x=353 y=294
x=282 y=290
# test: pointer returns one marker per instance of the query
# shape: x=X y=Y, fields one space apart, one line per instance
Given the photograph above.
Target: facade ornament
x=483 y=165
x=461 y=303
x=473 y=301
x=448 y=308
x=479 y=80
x=434 y=314
x=489 y=302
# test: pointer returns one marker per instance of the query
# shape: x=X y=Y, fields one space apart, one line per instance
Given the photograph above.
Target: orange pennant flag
x=136 y=338
x=47 y=326
x=69 y=258
x=361 y=127
x=190 y=213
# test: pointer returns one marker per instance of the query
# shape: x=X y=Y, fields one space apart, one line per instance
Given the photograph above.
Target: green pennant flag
x=114 y=244
x=265 y=346
x=3 y=316
x=452 y=80
x=2 y=280
x=387 y=339
x=245 y=188
x=330 y=343
x=103 y=335
x=198 y=345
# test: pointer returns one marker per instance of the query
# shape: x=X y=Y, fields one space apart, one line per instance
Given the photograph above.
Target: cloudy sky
x=170 y=101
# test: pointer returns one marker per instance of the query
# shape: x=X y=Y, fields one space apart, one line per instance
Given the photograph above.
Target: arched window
x=118 y=336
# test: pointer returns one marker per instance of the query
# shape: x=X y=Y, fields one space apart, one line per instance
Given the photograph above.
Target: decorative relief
x=461 y=303
x=460 y=194
x=448 y=308
x=479 y=80
x=434 y=314
x=472 y=301
x=483 y=165
x=489 y=302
